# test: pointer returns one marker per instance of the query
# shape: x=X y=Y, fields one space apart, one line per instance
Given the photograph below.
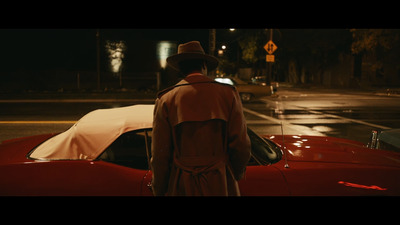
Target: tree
x=249 y=48
x=371 y=40
x=251 y=45
x=378 y=50
x=309 y=52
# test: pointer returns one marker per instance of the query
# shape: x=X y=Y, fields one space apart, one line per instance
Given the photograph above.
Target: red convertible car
x=106 y=153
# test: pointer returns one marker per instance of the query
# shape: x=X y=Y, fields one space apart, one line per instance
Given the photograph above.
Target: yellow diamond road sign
x=270 y=47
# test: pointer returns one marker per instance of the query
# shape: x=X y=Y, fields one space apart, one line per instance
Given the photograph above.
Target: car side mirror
x=373 y=140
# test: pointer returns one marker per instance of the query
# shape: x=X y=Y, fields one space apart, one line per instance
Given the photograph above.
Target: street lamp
x=222 y=50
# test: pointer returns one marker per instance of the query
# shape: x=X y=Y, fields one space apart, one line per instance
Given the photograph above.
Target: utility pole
x=98 y=58
x=211 y=45
x=211 y=40
x=270 y=47
x=268 y=81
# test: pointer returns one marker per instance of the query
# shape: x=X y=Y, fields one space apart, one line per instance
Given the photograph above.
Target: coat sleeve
x=239 y=145
x=161 y=149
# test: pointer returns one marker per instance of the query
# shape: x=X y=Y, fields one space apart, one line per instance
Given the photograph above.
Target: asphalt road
x=20 y=118
x=328 y=112
x=346 y=114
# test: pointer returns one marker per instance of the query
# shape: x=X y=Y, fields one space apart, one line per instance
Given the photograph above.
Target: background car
x=107 y=152
x=262 y=80
x=247 y=91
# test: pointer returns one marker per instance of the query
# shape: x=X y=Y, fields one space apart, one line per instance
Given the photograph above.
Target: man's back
x=208 y=133
x=200 y=144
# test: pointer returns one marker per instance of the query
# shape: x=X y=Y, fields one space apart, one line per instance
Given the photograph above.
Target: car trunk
x=16 y=150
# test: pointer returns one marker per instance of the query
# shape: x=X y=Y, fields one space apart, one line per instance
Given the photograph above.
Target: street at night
x=79 y=115
x=301 y=111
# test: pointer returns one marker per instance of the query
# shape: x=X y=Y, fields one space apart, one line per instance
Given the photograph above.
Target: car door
x=263 y=176
x=130 y=152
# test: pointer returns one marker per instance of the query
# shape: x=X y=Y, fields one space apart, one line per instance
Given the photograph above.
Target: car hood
x=330 y=149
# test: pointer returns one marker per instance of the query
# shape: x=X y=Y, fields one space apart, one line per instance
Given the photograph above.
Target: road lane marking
x=38 y=122
x=272 y=119
x=349 y=120
x=288 y=127
x=259 y=122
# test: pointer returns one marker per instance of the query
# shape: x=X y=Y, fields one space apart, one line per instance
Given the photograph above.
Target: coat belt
x=197 y=165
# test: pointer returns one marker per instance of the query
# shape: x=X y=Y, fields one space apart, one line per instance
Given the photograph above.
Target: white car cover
x=94 y=132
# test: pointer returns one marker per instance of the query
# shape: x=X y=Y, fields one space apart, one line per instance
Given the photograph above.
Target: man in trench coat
x=200 y=145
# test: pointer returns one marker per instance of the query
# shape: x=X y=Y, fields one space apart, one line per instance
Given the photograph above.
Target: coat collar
x=195 y=78
x=190 y=79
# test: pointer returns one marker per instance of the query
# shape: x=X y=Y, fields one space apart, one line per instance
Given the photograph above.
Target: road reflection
x=344 y=116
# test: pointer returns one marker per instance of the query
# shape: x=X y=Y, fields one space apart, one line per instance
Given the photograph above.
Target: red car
x=106 y=153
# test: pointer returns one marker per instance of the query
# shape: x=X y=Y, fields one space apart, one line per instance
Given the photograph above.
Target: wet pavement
x=350 y=114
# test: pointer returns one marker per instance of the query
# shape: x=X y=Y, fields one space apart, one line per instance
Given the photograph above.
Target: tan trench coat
x=200 y=145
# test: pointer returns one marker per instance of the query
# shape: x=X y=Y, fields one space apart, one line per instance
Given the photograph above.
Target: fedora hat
x=191 y=50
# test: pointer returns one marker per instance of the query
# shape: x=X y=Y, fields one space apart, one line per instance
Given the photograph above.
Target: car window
x=129 y=150
x=389 y=140
x=264 y=152
x=387 y=146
